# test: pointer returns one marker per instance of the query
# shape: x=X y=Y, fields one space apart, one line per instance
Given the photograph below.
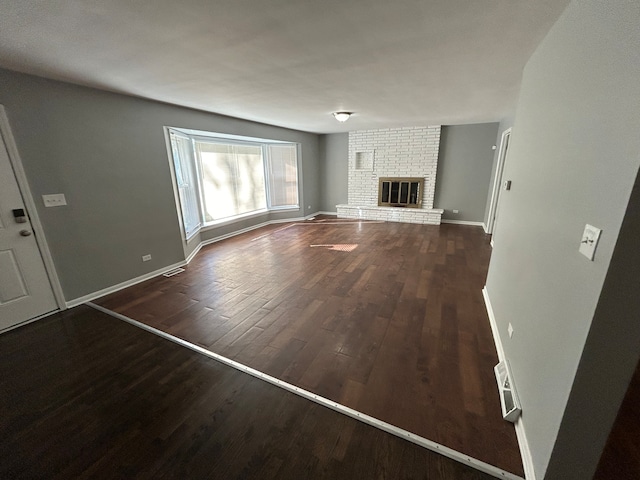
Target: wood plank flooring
x=395 y=328
x=620 y=459
x=84 y=395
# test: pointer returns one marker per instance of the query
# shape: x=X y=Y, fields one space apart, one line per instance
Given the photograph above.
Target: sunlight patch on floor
x=340 y=247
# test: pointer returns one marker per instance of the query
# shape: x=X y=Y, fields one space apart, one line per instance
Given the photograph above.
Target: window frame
x=188 y=235
x=266 y=155
x=214 y=137
x=198 y=161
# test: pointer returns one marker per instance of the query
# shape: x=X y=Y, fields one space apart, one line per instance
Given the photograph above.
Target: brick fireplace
x=391 y=152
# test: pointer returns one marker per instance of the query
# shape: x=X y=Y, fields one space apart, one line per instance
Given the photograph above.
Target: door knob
x=25 y=233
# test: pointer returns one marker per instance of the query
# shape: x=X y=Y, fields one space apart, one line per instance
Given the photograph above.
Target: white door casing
x=497 y=182
x=25 y=288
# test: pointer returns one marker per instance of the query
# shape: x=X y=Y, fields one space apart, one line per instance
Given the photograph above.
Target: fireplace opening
x=400 y=192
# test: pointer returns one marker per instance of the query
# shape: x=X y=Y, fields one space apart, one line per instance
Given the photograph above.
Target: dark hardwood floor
x=620 y=459
x=84 y=395
x=395 y=328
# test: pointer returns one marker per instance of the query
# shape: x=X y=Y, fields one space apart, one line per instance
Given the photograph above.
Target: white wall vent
x=173 y=272
x=508 y=398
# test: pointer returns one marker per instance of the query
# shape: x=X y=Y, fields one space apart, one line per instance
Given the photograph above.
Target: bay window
x=219 y=178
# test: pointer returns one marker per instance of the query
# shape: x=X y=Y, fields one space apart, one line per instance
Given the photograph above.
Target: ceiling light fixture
x=342 y=116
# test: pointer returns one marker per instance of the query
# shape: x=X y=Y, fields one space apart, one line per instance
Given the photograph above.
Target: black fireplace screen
x=400 y=192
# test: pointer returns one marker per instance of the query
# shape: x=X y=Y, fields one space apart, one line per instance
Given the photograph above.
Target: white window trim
x=257 y=213
x=229 y=139
x=267 y=163
x=235 y=218
x=174 y=183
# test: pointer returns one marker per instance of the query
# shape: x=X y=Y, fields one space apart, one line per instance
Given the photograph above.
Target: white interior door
x=25 y=289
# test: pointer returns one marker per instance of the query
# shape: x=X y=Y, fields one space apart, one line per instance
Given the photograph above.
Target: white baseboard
x=193 y=253
x=491 y=242
x=114 y=288
x=244 y=230
x=525 y=451
x=462 y=222
x=485 y=228
x=219 y=238
x=120 y=286
x=494 y=325
x=326 y=213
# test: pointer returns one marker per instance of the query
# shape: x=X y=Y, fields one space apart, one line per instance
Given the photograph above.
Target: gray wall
x=608 y=361
x=465 y=166
x=334 y=171
x=575 y=152
x=464 y=170
x=106 y=152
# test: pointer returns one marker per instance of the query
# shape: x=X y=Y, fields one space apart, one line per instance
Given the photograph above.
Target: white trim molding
x=195 y=251
x=147 y=276
x=120 y=286
x=525 y=451
x=494 y=326
x=497 y=179
x=241 y=231
x=23 y=184
x=463 y=222
x=362 y=417
x=224 y=237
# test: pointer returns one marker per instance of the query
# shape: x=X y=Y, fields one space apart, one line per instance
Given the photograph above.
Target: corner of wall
x=525 y=450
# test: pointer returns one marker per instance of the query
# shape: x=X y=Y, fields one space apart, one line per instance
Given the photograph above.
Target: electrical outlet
x=146 y=258
x=510 y=330
x=456 y=211
x=54 y=200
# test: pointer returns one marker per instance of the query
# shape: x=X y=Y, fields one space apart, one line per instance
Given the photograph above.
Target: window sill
x=288 y=208
x=227 y=221
x=257 y=213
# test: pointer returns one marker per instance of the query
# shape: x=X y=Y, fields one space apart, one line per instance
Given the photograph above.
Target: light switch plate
x=54 y=200
x=589 y=241
x=510 y=330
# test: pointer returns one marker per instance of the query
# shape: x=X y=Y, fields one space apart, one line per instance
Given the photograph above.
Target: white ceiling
x=289 y=62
